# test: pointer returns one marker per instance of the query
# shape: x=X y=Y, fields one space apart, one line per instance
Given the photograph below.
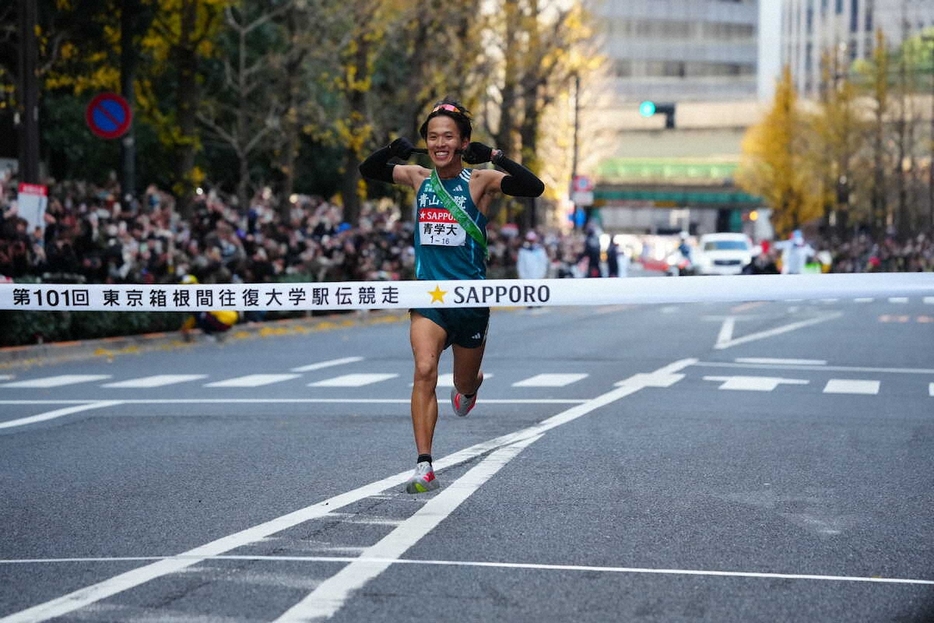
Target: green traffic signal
x=647 y=109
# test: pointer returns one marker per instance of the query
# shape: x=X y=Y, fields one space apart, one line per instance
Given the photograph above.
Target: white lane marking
x=496 y=565
x=653 y=379
x=233 y=401
x=929 y=300
x=58 y=381
x=254 y=380
x=158 y=380
x=794 y=326
x=782 y=362
x=5 y=377
x=726 y=332
x=753 y=383
x=931 y=389
x=117 y=584
x=447 y=380
x=550 y=380
x=330 y=595
x=51 y=415
x=898 y=299
x=353 y=380
x=327 y=364
x=850 y=386
x=863 y=300
x=718 y=364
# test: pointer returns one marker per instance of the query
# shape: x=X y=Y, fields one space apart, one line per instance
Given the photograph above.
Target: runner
x=450 y=243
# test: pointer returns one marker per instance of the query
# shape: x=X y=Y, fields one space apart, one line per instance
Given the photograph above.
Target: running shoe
x=423 y=480
x=461 y=403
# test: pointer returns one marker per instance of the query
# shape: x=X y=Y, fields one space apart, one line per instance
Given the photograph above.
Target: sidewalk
x=108 y=348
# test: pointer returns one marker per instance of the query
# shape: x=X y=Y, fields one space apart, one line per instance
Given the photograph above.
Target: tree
x=183 y=34
x=540 y=43
x=243 y=111
x=837 y=137
x=773 y=162
x=878 y=73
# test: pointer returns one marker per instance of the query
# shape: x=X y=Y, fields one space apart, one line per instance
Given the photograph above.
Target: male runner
x=451 y=203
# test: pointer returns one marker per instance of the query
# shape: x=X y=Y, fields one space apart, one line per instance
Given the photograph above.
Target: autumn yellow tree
x=774 y=163
x=182 y=35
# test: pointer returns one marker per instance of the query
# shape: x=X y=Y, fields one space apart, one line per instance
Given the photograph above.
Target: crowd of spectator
x=89 y=235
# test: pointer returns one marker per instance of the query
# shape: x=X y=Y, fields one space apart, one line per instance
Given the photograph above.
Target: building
x=812 y=28
x=714 y=64
x=699 y=59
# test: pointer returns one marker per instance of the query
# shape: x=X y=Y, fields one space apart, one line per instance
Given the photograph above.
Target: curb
x=108 y=348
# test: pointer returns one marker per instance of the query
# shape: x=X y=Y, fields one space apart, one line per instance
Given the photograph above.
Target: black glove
x=477 y=153
x=401 y=148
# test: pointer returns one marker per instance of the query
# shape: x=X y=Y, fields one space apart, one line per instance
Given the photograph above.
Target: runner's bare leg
x=427 y=340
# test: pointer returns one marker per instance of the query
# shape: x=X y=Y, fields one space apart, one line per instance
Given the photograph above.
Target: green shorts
x=465 y=326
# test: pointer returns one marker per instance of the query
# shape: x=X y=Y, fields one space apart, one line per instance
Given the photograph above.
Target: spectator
x=532 y=261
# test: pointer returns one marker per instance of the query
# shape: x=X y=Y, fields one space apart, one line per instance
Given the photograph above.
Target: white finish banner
x=484 y=293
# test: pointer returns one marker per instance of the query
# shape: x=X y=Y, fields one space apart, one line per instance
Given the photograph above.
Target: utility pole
x=128 y=15
x=27 y=114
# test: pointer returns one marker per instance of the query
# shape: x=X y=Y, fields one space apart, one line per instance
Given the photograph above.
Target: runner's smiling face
x=444 y=141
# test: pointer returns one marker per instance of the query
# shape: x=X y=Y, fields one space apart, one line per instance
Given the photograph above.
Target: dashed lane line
x=157 y=380
x=57 y=381
x=816 y=368
x=327 y=364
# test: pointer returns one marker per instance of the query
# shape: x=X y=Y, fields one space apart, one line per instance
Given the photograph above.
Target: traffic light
x=649 y=108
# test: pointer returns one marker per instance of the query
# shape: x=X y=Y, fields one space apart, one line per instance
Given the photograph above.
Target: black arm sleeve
x=377 y=166
x=520 y=182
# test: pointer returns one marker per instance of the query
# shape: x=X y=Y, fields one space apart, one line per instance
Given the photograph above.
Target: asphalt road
x=753 y=462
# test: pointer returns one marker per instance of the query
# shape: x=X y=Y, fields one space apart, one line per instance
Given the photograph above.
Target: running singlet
x=443 y=250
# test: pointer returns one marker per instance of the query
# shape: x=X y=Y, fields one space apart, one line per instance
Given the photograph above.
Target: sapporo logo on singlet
x=436 y=225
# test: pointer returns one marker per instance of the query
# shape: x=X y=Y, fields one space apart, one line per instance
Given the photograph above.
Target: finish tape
x=354 y=295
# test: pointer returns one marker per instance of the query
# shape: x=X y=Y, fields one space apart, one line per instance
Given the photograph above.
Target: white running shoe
x=423 y=480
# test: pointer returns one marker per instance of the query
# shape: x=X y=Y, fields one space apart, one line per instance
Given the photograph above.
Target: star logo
x=437 y=295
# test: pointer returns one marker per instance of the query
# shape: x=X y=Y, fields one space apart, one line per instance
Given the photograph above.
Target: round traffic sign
x=108 y=115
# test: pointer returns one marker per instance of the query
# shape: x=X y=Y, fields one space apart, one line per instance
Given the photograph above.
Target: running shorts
x=465 y=326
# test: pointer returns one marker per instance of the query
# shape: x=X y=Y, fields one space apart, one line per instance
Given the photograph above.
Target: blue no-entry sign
x=108 y=115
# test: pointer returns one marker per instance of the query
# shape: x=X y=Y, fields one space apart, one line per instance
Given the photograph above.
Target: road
x=705 y=462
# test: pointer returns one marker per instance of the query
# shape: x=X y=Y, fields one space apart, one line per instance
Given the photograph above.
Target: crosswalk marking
x=327 y=364
x=447 y=380
x=158 y=380
x=58 y=381
x=550 y=380
x=850 y=386
x=353 y=380
x=753 y=383
x=254 y=380
x=782 y=362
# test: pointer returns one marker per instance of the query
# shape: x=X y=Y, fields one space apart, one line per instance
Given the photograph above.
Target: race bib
x=438 y=227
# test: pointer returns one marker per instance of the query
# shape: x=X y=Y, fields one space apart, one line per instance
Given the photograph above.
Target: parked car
x=724 y=254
